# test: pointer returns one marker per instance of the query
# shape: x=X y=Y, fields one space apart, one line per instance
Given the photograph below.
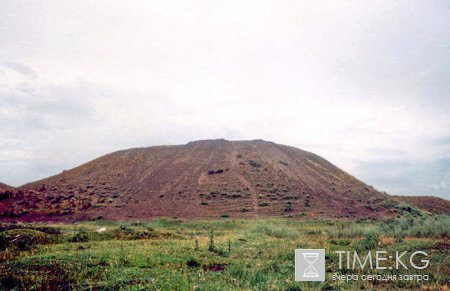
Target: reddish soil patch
x=214 y=268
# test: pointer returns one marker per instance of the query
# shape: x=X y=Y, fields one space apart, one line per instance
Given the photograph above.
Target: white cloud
x=353 y=81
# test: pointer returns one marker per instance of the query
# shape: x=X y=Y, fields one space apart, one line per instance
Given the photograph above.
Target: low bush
x=23 y=239
x=80 y=236
x=254 y=164
x=45 y=229
x=288 y=207
x=370 y=242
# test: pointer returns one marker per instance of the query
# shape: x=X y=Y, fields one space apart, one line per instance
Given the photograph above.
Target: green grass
x=168 y=254
x=426 y=226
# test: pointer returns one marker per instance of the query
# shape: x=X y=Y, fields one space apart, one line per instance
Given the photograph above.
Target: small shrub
x=211 y=245
x=23 y=239
x=80 y=236
x=288 y=207
x=193 y=263
x=263 y=203
x=237 y=271
x=369 y=242
x=340 y=242
x=259 y=278
x=254 y=164
x=196 y=245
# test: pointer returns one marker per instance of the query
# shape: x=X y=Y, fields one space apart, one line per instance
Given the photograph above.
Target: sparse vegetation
x=429 y=226
x=23 y=239
x=80 y=236
x=228 y=254
x=211 y=245
x=254 y=164
x=283 y=163
x=288 y=207
x=369 y=242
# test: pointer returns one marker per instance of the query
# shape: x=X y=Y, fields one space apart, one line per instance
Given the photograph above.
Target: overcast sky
x=365 y=84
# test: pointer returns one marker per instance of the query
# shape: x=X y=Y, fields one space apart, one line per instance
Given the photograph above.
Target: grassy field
x=224 y=254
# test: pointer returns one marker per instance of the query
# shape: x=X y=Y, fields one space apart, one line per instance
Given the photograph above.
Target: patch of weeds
x=23 y=239
x=259 y=279
x=340 y=242
x=254 y=164
x=288 y=207
x=80 y=236
x=192 y=263
x=283 y=163
x=211 y=245
x=370 y=242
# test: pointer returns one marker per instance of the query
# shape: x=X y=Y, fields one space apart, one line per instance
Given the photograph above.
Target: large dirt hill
x=202 y=179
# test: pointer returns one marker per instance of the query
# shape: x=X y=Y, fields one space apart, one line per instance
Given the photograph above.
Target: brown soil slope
x=202 y=179
x=6 y=193
x=427 y=203
x=4 y=187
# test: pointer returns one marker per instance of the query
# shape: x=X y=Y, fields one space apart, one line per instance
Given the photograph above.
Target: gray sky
x=365 y=84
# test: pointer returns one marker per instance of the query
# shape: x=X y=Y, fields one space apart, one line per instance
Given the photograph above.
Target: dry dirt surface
x=4 y=187
x=6 y=192
x=202 y=179
x=427 y=203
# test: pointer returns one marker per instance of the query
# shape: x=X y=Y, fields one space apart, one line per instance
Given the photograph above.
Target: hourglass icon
x=310 y=271
x=310 y=265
